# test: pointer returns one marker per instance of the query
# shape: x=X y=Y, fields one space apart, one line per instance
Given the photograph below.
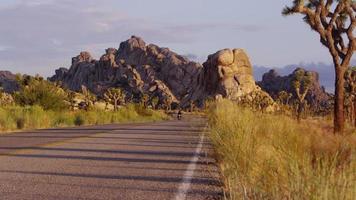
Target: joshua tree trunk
x=339 y=115
x=299 y=112
x=115 y=104
x=300 y=109
x=354 y=111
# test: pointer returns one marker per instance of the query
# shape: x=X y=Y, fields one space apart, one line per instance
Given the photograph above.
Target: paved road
x=155 y=161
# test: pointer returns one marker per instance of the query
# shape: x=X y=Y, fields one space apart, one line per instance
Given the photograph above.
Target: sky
x=39 y=36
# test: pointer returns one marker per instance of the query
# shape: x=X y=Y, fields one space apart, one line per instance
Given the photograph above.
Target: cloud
x=43 y=33
x=200 y=27
x=191 y=56
x=4 y=48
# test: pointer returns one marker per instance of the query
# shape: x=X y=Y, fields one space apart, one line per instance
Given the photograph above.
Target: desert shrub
x=267 y=156
x=36 y=91
x=79 y=120
x=141 y=110
x=20 y=123
x=63 y=119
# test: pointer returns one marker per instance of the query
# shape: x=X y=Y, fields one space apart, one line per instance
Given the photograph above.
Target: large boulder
x=228 y=74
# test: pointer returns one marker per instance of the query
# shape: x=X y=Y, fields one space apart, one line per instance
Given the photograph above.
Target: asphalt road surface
x=155 y=161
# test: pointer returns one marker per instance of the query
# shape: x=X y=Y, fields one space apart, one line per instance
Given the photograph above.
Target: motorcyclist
x=179 y=115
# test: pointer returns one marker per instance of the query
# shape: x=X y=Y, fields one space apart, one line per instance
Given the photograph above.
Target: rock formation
x=227 y=73
x=136 y=67
x=148 y=69
x=177 y=72
x=273 y=83
x=8 y=81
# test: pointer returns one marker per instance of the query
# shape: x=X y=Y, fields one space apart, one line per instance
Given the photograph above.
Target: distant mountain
x=325 y=71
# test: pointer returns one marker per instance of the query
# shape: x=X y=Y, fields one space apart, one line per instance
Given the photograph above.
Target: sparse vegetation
x=42 y=104
x=34 y=117
x=270 y=156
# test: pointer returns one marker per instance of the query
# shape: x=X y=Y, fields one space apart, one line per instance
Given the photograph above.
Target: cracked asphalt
x=130 y=161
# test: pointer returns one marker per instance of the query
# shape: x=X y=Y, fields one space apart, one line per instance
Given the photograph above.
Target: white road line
x=185 y=184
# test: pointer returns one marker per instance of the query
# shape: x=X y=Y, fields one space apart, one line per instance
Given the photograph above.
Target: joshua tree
x=191 y=105
x=115 y=96
x=301 y=83
x=144 y=100
x=89 y=98
x=334 y=21
x=284 y=97
x=350 y=77
x=154 y=102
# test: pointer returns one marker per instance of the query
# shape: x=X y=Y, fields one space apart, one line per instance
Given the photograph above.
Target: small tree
x=115 y=96
x=334 y=21
x=154 y=102
x=89 y=98
x=301 y=83
x=284 y=97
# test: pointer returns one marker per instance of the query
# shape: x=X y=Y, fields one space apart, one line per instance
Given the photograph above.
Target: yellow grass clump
x=267 y=156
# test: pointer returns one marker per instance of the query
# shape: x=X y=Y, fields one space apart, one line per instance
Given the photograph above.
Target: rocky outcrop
x=140 y=69
x=273 y=83
x=177 y=72
x=228 y=74
x=8 y=81
x=136 y=67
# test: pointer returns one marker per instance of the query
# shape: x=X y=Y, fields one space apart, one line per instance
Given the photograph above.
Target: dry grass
x=34 y=117
x=265 y=156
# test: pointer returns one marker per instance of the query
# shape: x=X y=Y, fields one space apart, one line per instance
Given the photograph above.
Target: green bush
x=36 y=91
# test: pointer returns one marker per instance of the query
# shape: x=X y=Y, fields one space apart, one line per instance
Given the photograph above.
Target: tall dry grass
x=265 y=156
x=35 y=117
